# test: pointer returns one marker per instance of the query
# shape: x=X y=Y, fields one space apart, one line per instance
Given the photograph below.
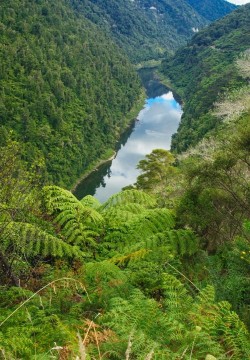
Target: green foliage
x=182 y=242
x=29 y=240
x=217 y=196
x=135 y=302
x=25 y=237
x=128 y=197
x=65 y=87
x=154 y=280
x=78 y=222
x=212 y=10
x=155 y=167
x=158 y=176
x=204 y=70
x=144 y=29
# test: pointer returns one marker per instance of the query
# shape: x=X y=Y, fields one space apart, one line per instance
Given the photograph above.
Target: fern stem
x=82 y=349
x=36 y=293
x=192 y=349
x=183 y=276
x=184 y=352
x=128 y=351
x=97 y=344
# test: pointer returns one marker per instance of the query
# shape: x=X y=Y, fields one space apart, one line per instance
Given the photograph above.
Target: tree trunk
x=7 y=269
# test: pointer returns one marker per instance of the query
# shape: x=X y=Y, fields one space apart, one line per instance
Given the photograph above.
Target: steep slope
x=212 y=9
x=204 y=70
x=145 y=29
x=65 y=87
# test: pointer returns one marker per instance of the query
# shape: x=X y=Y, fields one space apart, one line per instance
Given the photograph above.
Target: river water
x=155 y=124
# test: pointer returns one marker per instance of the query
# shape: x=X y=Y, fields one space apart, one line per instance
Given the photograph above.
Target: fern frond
x=233 y=331
x=61 y=200
x=207 y=295
x=177 y=300
x=79 y=222
x=130 y=196
x=31 y=240
x=134 y=256
x=90 y=201
x=141 y=227
x=56 y=197
x=117 y=217
x=150 y=223
x=182 y=242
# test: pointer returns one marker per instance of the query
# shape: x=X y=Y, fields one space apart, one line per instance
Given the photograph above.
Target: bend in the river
x=155 y=125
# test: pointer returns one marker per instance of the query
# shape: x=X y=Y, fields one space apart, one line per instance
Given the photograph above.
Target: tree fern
x=31 y=241
x=231 y=329
x=90 y=201
x=141 y=227
x=121 y=214
x=79 y=222
x=130 y=196
x=178 y=242
x=182 y=242
x=177 y=300
x=223 y=325
x=134 y=256
x=58 y=199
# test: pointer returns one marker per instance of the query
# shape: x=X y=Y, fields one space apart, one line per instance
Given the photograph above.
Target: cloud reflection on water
x=158 y=121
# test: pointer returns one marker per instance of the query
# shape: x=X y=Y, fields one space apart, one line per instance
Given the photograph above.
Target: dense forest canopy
x=145 y=29
x=160 y=270
x=212 y=9
x=204 y=70
x=62 y=77
x=66 y=88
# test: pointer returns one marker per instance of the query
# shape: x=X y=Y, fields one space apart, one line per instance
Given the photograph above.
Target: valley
x=149 y=258
x=153 y=128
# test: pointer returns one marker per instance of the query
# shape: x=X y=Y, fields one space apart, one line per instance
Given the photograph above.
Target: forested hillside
x=160 y=270
x=212 y=9
x=65 y=87
x=123 y=279
x=204 y=70
x=145 y=29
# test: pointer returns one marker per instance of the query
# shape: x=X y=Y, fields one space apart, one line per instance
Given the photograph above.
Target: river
x=154 y=127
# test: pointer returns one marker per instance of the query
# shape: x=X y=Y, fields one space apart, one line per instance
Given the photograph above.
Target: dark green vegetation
x=67 y=90
x=65 y=87
x=126 y=279
x=160 y=271
x=212 y=9
x=145 y=29
x=204 y=70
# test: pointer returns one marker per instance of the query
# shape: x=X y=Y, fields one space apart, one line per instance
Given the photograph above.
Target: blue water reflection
x=158 y=120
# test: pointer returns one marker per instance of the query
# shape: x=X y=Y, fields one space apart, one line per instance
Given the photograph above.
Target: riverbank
x=157 y=122
x=163 y=79
x=110 y=154
x=94 y=166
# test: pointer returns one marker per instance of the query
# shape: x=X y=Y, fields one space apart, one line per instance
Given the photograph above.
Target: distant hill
x=145 y=29
x=212 y=9
x=65 y=87
x=205 y=69
x=66 y=82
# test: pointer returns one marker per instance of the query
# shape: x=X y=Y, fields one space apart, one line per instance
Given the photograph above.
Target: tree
x=23 y=233
x=158 y=175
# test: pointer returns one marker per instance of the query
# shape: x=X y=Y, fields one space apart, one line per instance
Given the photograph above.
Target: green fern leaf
x=33 y=241
x=130 y=196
